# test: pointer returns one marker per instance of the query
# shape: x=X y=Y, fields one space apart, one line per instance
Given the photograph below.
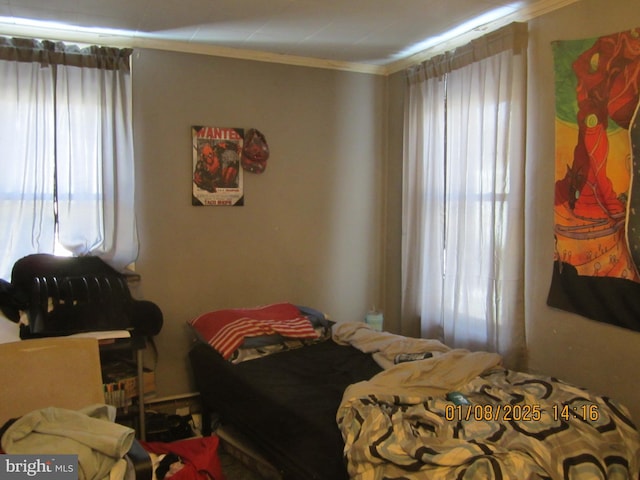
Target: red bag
x=255 y=152
x=198 y=455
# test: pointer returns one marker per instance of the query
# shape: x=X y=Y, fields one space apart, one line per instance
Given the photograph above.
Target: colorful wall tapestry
x=597 y=188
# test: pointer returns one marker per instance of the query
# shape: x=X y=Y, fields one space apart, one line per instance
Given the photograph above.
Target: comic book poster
x=217 y=176
x=597 y=179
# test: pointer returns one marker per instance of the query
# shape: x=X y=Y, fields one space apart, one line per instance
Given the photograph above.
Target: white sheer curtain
x=66 y=138
x=463 y=228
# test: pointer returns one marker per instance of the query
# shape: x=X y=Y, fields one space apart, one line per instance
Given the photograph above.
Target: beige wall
x=322 y=225
x=393 y=207
x=309 y=232
x=591 y=354
x=588 y=353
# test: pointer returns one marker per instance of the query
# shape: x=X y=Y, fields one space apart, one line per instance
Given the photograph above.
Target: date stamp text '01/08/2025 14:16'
x=520 y=412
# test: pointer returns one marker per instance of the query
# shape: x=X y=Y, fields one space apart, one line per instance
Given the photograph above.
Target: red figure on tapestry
x=591 y=215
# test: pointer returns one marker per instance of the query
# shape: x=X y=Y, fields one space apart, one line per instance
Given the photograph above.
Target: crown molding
x=524 y=14
x=128 y=41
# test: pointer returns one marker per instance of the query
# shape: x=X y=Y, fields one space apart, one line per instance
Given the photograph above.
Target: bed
x=269 y=391
x=345 y=405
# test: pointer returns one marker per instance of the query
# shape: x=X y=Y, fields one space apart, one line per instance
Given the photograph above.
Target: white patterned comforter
x=399 y=425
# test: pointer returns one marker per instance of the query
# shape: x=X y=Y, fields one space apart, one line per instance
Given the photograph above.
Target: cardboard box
x=120 y=379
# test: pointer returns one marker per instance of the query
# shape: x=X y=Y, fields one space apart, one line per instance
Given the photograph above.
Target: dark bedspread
x=286 y=402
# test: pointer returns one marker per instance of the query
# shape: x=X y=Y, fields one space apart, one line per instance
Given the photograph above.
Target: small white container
x=375 y=319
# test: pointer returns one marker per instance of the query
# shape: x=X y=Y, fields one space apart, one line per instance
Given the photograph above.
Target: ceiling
x=377 y=36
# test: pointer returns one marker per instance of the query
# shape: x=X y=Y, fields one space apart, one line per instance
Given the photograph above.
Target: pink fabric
x=225 y=330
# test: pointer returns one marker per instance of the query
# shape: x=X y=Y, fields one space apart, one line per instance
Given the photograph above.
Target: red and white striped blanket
x=226 y=330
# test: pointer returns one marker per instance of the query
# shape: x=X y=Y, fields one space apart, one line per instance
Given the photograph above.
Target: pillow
x=320 y=322
x=248 y=335
x=226 y=330
x=316 y=317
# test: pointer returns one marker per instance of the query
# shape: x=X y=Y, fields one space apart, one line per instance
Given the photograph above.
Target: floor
x=234 y=469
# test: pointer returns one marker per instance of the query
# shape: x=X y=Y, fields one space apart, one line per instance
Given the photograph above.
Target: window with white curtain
x=67 y=152
x=463 y=228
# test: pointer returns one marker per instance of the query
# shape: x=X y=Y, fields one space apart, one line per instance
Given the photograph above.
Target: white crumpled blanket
x=89 y=433
x=399 y=424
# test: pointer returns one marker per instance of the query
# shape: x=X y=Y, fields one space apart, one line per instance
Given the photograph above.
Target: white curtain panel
x=423 y=205
x=96 y=180
x=26 y=162
x=463 y=242
x=66 y=134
